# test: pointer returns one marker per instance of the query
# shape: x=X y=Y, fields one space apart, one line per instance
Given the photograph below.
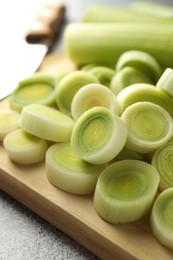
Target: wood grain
x=75 y=215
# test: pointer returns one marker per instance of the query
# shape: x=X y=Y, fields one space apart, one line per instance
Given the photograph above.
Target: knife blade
x=27 y=54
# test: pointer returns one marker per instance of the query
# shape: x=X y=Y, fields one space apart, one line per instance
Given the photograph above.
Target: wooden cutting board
x=75 y=215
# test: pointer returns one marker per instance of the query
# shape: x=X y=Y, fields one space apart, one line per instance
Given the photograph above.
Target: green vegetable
x=165 y=82
x=162 y=161
x=145 y=92
x=24 y=148
x=96 y=135
x=68 y=172
x=9 y=121
x=162 y=218
x=68 y=87
x=126 y=77
x=39 y=88
x=98 y=13
x=153 y=9
x=103 y=74
x=46 y=122
x=125 y=191
x=104 y=43
x=91 y=95
x=149 y=126
x=142 y=61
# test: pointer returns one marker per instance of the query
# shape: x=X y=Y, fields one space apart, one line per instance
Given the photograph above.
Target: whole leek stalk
x=104 y=42
x=104 y=13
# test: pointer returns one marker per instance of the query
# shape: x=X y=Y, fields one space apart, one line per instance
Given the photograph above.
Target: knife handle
x=47 y=24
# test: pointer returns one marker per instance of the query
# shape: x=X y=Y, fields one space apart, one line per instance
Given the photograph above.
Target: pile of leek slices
x=101 y=129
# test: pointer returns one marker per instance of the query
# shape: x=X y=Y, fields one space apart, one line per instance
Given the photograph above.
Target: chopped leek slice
x=162 y=218
x=68 y=87
x=163 y=162
x=66 y=171
x=149 y=126
x=127 y=76
x=96 y=135
x=92 y=95
x=132 y=155
x=39 y=88
x=46 y=122
x=103 y=74
x=165 y=82
x=9 y=121
x=140 y=92
x=125 y=191
x=24 y=148
x=142 y=61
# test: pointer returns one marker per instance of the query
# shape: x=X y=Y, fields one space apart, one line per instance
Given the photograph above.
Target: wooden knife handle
x=47 y=24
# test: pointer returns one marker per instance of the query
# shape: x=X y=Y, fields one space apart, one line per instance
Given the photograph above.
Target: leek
x=101 y=13
x=104 y=43
x=39 y=88
x=149 y=126
x=68 y=87
x=46 y=122
x=125 y=191
x=103 y=74
x=126 y=77
x=91 y=95
x=9 y=121
x=66 y=171
x=153 y=9
x=140 y=92
x=24 y=148
x=162 y=161
x=96 y=135
x=165 y=82
x=142 y=61
x=162 y=218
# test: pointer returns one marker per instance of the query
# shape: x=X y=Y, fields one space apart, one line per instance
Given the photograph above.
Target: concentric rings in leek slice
x=149 y=126
x=125 y=191
x=46 y=122
x=24 y=148
x=98 y=135
x=66 y=171
x=142 y=61
x=145 y=92
x=91 y=95
x=162 y=218
x=9 y=121
x=126 y=77
x=39 y=88
x=162 y=160
x=68 y=87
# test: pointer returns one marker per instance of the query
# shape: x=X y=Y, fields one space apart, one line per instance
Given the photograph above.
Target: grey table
x=23 y=234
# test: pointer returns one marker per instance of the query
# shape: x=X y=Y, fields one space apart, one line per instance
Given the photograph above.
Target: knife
x=27 y=54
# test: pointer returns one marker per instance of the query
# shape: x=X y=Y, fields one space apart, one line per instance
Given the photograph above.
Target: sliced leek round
x=39 y=88
x=125 y=191
x=103 y=74
x=24 y=148
x=46 y=122
x=126 y=77
x=165 y=82
x=149 y=126
x=91 y=95
x=162 y=160
x=98 y=135
x=66 y=171
x=145 y=92
x=140 y=60
x=9 y=121
x=68 y=87
x=162 y=218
